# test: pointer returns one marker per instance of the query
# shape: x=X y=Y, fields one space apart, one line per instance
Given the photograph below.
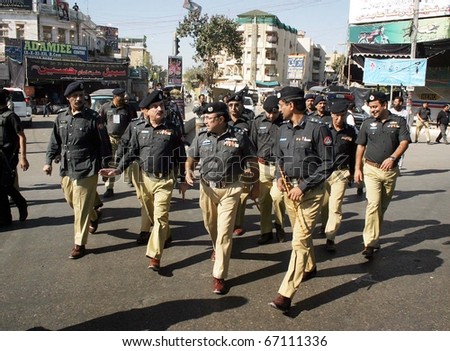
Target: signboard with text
x=16 y=5
x=407 y=72
x=39 y=69
x=296 y=65
x=175 y=70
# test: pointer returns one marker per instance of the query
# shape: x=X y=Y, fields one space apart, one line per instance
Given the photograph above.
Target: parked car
x=248 y=103
x=22 y=106
x=100 y=97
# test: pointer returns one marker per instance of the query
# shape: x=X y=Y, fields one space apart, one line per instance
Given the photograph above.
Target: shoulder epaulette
x=315 y=120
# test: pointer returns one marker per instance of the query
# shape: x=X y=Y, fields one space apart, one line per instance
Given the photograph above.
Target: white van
x=21 y=105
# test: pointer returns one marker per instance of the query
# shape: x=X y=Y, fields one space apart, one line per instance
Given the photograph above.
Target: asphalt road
x=405 y=286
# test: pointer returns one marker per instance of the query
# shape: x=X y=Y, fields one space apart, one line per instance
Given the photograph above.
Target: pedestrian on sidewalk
x=442 y=121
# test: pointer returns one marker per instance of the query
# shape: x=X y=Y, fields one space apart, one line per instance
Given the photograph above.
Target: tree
x=193 y=77
x=211 y=35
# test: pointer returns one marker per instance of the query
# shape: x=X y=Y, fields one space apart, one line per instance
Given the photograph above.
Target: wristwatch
x=392 y=158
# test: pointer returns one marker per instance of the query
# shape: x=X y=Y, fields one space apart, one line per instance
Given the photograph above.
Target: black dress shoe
x=280 y=233
x=23 y=212
x=93 y=225
x=368 y=251
x=265 y=238
x=143 y=238
x=330 y=246
x=108 y=193
x=309 y=275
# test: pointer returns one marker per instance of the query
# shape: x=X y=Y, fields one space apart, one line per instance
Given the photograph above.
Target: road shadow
x=159 y=317
x=419 y=172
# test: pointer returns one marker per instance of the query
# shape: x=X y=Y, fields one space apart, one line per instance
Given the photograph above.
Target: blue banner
x=407 y=72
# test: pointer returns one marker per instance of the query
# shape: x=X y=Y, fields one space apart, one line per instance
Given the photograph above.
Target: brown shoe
x=78 y=251
x=154 y=264
x=309 y=275
x=369 y=250
x=218 y=286
x=238 y=231
x=281 y=303
x=213 y=255
x=93 y=225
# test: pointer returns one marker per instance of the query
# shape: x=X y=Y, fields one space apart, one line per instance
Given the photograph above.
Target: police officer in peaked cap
x=224 y=152
x=161 y=155
x=304 y=161
x=263 y=135
x=80 y=139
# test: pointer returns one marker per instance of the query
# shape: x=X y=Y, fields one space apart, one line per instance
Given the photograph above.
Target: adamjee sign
x=39 y=69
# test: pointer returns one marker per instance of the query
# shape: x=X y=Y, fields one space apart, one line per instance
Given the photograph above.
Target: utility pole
x=414 y=29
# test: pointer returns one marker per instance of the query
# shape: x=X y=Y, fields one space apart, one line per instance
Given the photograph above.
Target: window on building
x=3 y=30
x=72 y=36
x=47 y=33
x=20 y=31
x=61 y=35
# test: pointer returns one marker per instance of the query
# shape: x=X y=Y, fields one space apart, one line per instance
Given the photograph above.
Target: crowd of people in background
x=297 y=157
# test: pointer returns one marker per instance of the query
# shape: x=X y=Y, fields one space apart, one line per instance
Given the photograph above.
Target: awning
x=262 y=84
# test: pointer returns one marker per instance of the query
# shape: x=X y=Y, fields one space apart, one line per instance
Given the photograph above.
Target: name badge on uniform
x=116 y=119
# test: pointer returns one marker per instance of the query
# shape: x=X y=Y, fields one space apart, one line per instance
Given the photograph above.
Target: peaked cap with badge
x=154 y=97
x=73 y=87
x=377 y=95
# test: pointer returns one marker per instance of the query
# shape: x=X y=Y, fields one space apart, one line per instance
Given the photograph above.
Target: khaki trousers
x=380 y=187
x=302 y=254
x=115 y=142
x=419 y=126
x=270 y=197
x=80 y=195
x=156 y=195
x=136 y=176
x=219 y=207
x=331 y=212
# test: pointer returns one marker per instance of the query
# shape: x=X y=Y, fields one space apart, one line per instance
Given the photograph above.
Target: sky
x=325 y=21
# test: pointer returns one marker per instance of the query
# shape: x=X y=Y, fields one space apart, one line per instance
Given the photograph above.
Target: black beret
x=377 y=95
x=310 y=96
x=319 y=98
x=339 y=107
x=4 y=96
x=73 y=87
x=290 y=93
x=220 y=108
x=271 y=104
x=154 y=96
x=236 y=97
x=118 y=91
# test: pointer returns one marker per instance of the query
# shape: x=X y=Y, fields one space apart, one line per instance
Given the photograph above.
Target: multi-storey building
x=267 y=45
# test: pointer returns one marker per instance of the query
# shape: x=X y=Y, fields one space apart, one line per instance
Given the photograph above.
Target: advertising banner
x=175 y=70
x=16 y=5
x=62 y=10
x=407 y=72
x=39 y=69
x=47 y=50
x=429 y=29
x=111 y=35
x=366 y=11
x=296 y=65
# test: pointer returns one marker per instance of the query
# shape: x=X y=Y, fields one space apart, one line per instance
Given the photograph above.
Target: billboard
x=40 y=69
x=62 y=10
x=111 y=35
x=296 y=64
x=175 y=70
x=16 y=5
x=429 y=29
x=367 y=11
x=407 y=72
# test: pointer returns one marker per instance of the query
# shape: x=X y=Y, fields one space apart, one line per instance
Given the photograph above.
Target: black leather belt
x=265 y=162
x=215 y=185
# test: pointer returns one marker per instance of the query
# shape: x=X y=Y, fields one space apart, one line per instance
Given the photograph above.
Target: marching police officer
x=117 y=115
x=79 y=138
x=309 y=101
x=263 y=135
x=304 y=161
x=160 y=152
x=13 y=143
x=320 y=103
x=344 y=137
x=224 y=152
x=382 y=140
x=240 y=118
